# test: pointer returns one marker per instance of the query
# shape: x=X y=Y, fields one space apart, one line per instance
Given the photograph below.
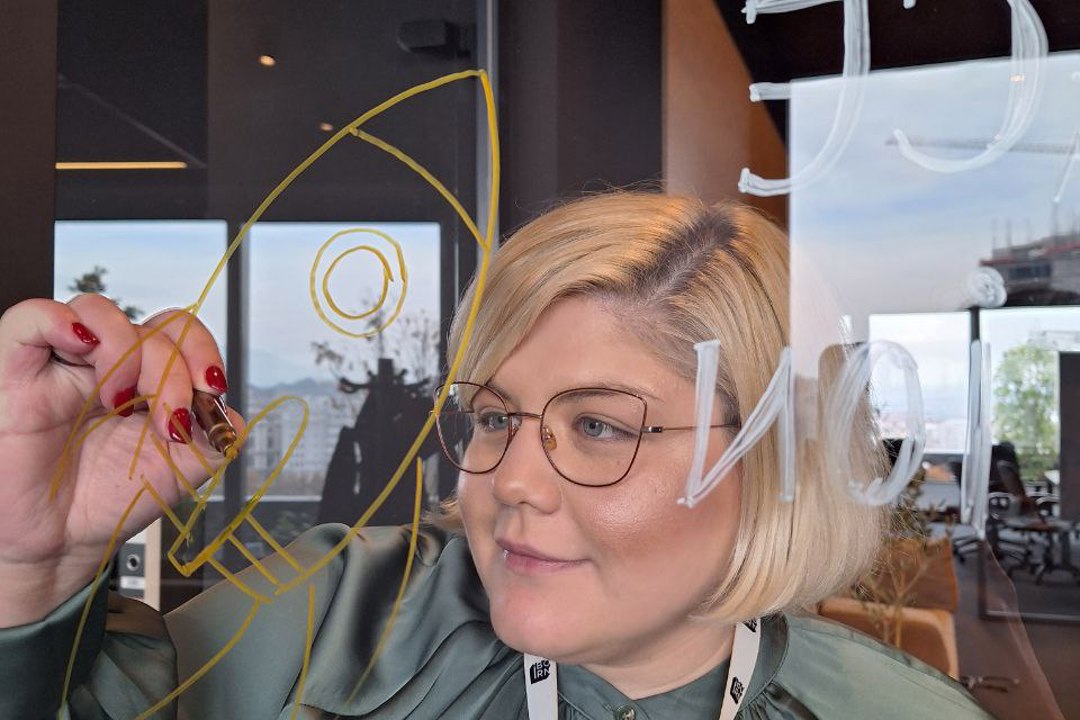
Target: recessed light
x=123 y=165
x=267 y=60
x=326 y=127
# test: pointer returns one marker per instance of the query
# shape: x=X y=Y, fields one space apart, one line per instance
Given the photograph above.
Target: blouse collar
x=594 y=698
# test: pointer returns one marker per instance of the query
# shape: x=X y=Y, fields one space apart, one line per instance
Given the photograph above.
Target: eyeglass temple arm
x=668 y=428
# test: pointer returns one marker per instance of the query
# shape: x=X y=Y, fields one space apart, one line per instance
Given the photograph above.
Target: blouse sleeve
x=124 y=660
x=237 y=650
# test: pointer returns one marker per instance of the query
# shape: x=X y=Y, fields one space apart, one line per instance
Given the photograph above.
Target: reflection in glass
x=1025 y=344
x=883 y=249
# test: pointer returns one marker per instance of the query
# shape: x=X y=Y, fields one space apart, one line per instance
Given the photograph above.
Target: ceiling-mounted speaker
x=436 y=37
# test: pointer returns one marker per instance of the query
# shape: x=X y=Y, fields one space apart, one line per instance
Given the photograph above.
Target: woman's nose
x=525 y=475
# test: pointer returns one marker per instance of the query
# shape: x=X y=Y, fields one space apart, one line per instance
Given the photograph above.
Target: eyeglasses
x=590 y=435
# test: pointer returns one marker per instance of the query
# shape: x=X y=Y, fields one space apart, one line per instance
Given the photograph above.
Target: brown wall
x=711 y=130
x=27 y=148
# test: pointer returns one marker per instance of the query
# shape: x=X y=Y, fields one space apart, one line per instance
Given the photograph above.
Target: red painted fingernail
x=84 y=334
x=215 y=378
x=180 y=425
x=122 y=397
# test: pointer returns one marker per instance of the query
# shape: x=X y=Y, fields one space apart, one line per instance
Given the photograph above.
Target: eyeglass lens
x=590 y=435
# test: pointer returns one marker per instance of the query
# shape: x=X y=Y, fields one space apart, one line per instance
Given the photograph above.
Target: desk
x=1057 y=532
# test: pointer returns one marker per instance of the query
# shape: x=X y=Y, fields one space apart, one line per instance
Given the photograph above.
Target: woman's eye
x=596 y=429
x=492 y=421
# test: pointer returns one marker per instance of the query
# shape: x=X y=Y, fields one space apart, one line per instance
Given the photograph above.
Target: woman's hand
x=63 y=487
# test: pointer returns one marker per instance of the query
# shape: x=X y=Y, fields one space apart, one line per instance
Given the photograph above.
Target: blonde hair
x=685 y=272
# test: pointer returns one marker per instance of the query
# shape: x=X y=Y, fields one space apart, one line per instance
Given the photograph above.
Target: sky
x=159 y=264
x=891 y=236
x=149 y=264
x=283 y=319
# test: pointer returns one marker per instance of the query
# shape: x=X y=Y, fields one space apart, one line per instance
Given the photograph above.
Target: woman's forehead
x=577 y=342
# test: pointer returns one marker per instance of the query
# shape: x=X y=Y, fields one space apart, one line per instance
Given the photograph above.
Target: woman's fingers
x=165 y=380
x=197 y=346
x=117 y=356
x=31 y=330
x=202 y=357
x=90 y=331
x=163 y=360
x=197 y=461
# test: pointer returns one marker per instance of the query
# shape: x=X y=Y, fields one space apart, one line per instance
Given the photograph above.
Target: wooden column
x=711 y=129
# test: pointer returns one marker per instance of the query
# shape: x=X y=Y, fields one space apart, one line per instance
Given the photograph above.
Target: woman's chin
x=536 y=628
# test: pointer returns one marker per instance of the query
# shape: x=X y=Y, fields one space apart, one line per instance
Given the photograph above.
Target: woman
x=564 y=572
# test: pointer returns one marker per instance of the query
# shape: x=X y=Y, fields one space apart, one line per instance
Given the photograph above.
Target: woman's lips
x=524 y=560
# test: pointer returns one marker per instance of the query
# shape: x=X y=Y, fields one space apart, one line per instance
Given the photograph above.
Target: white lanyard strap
x=744 y=654
x=542 y=687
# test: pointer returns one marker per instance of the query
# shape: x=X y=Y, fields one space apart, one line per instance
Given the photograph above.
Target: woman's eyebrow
x=501 y=392
x=599 y=385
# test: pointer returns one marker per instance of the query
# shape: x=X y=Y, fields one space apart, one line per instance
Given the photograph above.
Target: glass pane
x=365 y=397
x=144 y=266
x=1026 y=345
x=939 y=343
x=901 y=240
x=175 y=124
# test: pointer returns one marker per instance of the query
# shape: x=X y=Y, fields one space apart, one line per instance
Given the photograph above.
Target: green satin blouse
x=442 y=659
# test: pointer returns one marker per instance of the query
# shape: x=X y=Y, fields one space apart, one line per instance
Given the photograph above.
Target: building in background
x=1043 y=272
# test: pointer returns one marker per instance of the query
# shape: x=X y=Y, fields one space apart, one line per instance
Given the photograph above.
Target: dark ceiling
x=809 y=43
x=132 y=80
x=160 y=80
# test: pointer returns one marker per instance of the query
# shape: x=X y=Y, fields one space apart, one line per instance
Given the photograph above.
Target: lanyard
x=542 y=686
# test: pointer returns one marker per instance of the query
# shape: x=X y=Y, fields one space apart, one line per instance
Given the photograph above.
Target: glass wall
x=934 y=220
x=932 y=203
x=143 y=265
x=1026 y=348
x=355 y=403
x=939 y=344
x=201 y=131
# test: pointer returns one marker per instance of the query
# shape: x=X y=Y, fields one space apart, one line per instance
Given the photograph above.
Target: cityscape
x=328 y=410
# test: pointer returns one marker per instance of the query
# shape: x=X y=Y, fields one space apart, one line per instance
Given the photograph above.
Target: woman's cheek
x=627 y=518
x=472 y=502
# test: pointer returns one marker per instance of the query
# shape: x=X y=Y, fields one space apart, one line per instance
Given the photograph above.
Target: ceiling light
x=326 y=127
x=267 y=60
x=123 y=165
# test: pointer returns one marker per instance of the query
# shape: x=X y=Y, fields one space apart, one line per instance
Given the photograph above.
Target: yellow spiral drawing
x=387 y=278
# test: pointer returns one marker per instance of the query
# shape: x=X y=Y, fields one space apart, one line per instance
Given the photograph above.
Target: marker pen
x=209 y=412
x=212 y=417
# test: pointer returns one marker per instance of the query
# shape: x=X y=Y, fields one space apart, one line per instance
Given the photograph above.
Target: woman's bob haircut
x=680 y=271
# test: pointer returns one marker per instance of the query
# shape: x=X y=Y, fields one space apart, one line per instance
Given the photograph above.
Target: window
x=144 y=265
x=939 y=342
x=1025 y=344
x=366 y=398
